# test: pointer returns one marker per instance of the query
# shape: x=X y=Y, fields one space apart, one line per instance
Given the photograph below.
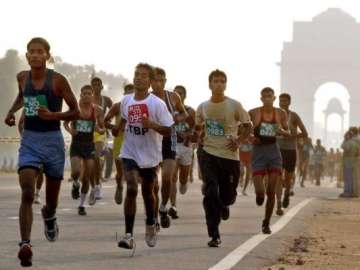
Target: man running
x=118 y=141
x=99 y=139
x=147 y=119
x=288 y=146
x=82 y=148
x=177 y=110
x=319 y=155
x=41 y=92
x=220 y=118
x=184 y=153
x=269 y=122
x=305 y=149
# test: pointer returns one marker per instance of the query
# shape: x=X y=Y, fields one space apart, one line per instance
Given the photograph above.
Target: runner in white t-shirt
x=147 y=120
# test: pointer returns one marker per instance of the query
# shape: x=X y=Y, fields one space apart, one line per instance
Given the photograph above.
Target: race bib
x=32 y=104
x=181 y=127
x=214 y=128
x=137 y=112
x=268 y=130
x=84 y=126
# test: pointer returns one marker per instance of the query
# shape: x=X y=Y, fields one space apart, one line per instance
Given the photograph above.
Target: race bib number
x=268 y=130
x=137 y=112
x=182 y=127
x=84 y=126
x=214 y=128
x=32 y=104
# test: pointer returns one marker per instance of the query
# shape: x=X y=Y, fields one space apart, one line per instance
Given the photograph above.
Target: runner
x=288 y=147
x=318 y=159
x=245 y=162
x=82 y=148
x=269 y=122
x=220 y=118
x=177 y=110
x=41 y=92
x=331 y=164
x=40 y=176
x=99 y=139
x=147 y=118
x=184 y=153
x=305 y=151
x=118 y=141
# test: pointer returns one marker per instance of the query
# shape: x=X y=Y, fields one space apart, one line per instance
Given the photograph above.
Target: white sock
x=162 y=208
x=82 y=199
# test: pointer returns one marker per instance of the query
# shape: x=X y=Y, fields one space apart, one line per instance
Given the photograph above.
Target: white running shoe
x=150 y=235
x=98 y=195
x=92 y=198
x=37 y=198
x=127 y=242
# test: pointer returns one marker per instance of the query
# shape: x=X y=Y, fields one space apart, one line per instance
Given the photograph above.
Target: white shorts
x=184 y=154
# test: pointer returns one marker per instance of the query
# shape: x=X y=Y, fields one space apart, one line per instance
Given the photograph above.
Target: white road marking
x=239 y=253
x=13 y=218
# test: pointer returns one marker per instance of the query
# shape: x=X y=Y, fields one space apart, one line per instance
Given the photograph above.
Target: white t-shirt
x=141 y=144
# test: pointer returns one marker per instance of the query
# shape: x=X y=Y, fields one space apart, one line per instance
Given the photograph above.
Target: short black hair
x=267 y=90
x=217 y=73
x=159 y=71
x=39 y=40
x=96 y=79
x=128 y=87
x=181 y=87
x=149 y=68
x=285 y=95
x=86 y=87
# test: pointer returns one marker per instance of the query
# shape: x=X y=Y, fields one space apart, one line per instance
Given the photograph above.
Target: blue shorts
x=266 y=159
x=43 y=150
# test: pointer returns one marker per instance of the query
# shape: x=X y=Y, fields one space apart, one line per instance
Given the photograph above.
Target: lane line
x=239 y=253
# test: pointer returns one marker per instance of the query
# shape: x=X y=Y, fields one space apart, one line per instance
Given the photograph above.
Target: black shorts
x=167 y=151
x=289 y=160
x=148 y=174
x=82 y=150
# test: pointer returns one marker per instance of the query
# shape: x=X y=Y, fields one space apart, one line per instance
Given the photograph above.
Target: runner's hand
x=147 y=123
x=45 y=114
x=10 y=119
x=232 y=144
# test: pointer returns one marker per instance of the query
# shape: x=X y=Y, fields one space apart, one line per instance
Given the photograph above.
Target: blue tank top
x=33 y=98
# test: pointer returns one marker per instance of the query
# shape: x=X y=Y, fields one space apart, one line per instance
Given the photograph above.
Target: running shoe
x=25 y=255
x=214 y=242
x=37 y=198
x=279 y=212
x=225 y=213
x=150 y=235
x=51 y=229
x=266 y=227
x=286 y=201
x=164 y=218
x=92 y=198
x=118 y=195
x=173 y=212
x=75 y=190
x=98 y=195
x=127 y=242
x=81 y=211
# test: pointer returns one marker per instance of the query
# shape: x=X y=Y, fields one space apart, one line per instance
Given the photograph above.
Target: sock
x=82 y=199
x=24 y=242
x=129 y=223
x=162 y=208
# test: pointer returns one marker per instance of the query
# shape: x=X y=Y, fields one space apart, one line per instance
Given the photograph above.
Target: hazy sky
x=187 y=38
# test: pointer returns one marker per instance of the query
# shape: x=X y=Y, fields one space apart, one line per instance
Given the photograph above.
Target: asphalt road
x=88 y=242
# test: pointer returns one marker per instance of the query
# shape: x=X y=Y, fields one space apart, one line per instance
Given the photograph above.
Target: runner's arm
x=21 y=123
x=183 y=115
x=302 y=127
x=283 y=125
x=18 y=102
x=99 y=115
x=114 y=110
x=69 y=128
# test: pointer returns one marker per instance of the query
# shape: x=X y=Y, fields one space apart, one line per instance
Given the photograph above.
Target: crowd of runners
x=155 y=136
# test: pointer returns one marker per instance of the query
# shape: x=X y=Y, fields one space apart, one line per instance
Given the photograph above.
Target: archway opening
x=331 y=113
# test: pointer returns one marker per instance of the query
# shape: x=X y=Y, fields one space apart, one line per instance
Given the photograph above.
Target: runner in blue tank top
x=41 y=92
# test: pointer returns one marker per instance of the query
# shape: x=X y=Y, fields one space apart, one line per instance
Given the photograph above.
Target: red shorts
x=245 y=157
